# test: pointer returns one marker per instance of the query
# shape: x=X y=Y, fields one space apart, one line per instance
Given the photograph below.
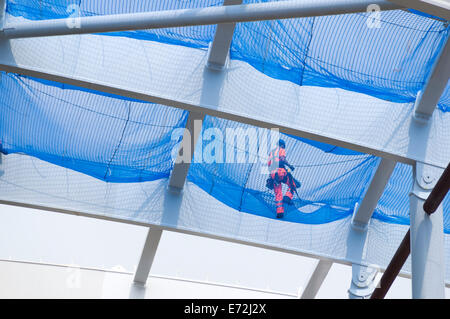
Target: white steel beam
x=373 y=194
x=173 y=199
x=428 y=99
x=427 y=238
x=220 y=47
x=362 y=281
x=438 y=8
x=317 y=278
x=147 y=255
x=176 y=76
x=362 y=284
x=218 y=53
x=190 y=138
x=190 y=17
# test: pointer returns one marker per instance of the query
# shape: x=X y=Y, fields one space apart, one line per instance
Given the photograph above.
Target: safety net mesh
x=105 y=155
x=392 y=64
x=116 y=139
x=111 y=138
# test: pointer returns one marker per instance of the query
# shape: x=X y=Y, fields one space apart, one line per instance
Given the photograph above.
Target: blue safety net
x=124 y=143
x=198 y=36
x=393 y=206
x=332 y=179
x=387 y=54
x=117 y=139
x=232 y=167
x=111 y=138
x=388 y=58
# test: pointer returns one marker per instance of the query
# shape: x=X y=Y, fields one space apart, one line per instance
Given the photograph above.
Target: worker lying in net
x=279 y=174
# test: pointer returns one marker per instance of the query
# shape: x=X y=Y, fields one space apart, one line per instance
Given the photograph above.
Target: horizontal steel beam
x=209 y=111
x=191 y=17
x=176 y=230
x=171 y=278
x=183 y=231
x=175 y=76
x=189 y=232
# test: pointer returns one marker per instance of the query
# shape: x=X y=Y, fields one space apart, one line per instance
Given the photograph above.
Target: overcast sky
x=32 y=235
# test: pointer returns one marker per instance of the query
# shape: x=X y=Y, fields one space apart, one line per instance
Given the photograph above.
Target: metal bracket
x=191 y=136
x=316 y=279
x=148 y=255
x=426 y=236
x=216 y=66
x=425 y=177
x=363 y=281
x=174 y=190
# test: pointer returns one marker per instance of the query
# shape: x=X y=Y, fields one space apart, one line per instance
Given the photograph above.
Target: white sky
x=32 y=235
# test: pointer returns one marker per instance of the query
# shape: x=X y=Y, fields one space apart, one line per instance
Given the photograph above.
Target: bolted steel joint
x=363 y=281
x=425 y=179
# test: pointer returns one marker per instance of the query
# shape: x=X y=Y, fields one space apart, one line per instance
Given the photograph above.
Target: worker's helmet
x=281 y=143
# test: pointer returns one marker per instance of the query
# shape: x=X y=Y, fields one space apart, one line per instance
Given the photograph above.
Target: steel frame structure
x=418 y=128
x=316 y=279
x=191 y=17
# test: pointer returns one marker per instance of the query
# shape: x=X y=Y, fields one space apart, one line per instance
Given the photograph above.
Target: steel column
x=362 y=284
x=317 y=278
x=129 y=80
x=427 y=238
x=147 y=255
x=190 y=138
x=217 y=56
x=431 y=204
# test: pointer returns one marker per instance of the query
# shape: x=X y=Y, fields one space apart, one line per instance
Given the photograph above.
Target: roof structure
x=163 y=113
